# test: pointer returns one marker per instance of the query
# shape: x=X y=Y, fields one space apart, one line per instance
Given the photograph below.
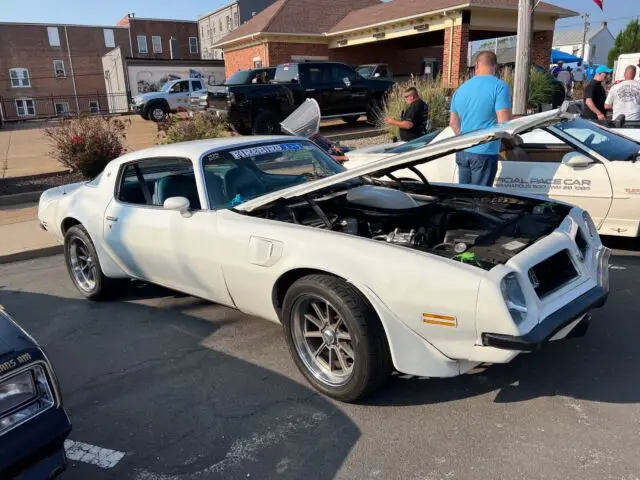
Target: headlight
x=23 y=396
x=514 y=297
x=591 y=227
x=16 y=391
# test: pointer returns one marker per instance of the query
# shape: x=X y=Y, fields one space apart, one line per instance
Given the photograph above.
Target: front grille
x=552 y=273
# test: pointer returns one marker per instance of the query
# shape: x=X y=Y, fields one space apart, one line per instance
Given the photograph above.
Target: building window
x=94 y=107
x=157 y=44
x=19 y=78
x=109 y=38
x=142 y=44
x=220 y=24
x=58 y=69
x=235 y=19
x=193 y=44
x=54 y=36
x=593 y=52
x=62 y=108
x=228 y=23
x=25 y=107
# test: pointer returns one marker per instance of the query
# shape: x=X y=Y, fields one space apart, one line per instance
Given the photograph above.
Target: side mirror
x=576 y=160
x=180 y=204
x=376 y=75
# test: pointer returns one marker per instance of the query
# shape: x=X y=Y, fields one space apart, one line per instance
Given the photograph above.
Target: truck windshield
x=240 y=173
x=606 y=143
x=286 y=73
x=165 y=88
x=239 y=78
x=365 y=72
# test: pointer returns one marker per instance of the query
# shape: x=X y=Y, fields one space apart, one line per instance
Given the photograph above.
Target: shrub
x=431 y=91
x=540 y=86
x=200 y=127
x=87 y=144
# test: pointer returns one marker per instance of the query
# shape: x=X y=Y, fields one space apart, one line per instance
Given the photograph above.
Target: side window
x=196 y=85
x=150 y=182
x=340 y=72
x=180 y=87
x=315 y=73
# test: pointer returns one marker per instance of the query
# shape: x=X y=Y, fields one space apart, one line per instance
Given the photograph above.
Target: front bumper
x=136 y=107
x=554 y=323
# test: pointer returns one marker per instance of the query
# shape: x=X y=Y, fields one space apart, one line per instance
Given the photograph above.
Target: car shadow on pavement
x=138 y=379
x=600 y=367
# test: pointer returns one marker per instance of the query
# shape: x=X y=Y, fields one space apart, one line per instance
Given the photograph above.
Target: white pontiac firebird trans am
x=572 y=160
x=366 y=276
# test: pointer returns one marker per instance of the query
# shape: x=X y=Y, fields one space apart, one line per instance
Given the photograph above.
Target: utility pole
x=583 y=52
x=523 y=57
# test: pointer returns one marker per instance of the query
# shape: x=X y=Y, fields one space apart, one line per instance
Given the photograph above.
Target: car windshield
x=607 y=144
x=165 y=88
x=239 y=78
x=365 y=72
x=241 y=173
x=417 y=143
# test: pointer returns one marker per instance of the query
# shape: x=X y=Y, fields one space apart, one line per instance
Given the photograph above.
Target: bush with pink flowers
x=87 y=144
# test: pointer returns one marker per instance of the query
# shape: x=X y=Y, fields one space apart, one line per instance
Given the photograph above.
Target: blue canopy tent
x=558 y=56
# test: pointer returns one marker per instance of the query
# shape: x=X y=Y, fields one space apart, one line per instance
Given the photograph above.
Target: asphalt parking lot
x=189 y=390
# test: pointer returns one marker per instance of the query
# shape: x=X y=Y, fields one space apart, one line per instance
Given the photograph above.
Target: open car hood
x=420 y=155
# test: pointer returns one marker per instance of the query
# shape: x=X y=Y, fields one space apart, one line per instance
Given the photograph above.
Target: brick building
x=412 y=36
x=53 y=69
x=218 y=23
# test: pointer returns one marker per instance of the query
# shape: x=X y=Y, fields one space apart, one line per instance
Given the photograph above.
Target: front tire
x=335 y=338
x=157 y=112
x=84 y=267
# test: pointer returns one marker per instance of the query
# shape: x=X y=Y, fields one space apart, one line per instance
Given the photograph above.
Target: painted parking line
x=83 y=452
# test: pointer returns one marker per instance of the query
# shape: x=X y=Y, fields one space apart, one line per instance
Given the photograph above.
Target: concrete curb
x=31 y=254
x=18 y=198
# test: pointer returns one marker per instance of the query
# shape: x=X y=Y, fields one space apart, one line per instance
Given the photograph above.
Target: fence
x=51 y=106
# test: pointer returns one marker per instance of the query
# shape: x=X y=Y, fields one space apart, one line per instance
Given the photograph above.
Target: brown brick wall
x=165 y=30
x=243 y=58
x=27 y=46
x=541 y=48
x=459 y=54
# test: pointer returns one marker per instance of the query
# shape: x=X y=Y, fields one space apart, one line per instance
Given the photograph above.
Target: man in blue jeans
x=481 y=102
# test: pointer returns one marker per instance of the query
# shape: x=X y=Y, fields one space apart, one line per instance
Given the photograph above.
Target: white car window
x=151 y=181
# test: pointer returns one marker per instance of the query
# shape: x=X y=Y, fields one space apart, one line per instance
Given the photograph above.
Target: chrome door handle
x=111 y=219
x=338 y=88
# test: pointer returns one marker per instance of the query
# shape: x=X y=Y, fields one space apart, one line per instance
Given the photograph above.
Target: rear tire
x=266 y=123
x=335 y=338
x=84 y=267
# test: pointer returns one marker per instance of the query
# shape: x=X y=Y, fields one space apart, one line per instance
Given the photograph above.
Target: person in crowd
x=624 y=97
x=590 y=72
x=413 y=119
x=595 y=96
x=557 y=69
x=565 y=77
x=481 y=102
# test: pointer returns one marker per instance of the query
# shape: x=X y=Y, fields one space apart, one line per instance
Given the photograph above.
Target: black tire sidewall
x=357 y=386
x=79 y=232
x=261 y=122
x=154 y=107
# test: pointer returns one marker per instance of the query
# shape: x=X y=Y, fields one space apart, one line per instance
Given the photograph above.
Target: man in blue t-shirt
x=481 y=102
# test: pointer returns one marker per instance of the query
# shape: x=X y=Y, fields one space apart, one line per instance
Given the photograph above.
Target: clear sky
x=617 y=12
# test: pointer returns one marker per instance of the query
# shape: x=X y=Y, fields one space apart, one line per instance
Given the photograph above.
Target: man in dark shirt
x=595 y=96
x=413 y=119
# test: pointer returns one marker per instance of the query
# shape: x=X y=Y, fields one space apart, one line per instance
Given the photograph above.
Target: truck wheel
x=84 y=267
x=266 y=123
x=335 y=338
x=353 y=120
x=157 y=112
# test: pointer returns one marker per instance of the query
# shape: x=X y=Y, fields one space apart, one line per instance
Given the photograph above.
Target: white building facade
x=598 y=43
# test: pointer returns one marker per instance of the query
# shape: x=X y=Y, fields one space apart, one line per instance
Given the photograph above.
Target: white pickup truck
x=173 y=96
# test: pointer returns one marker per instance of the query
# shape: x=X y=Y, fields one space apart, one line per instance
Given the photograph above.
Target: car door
x=352 y=90
x=315 y=79
x=178 y=95
x=539 y=166
x=167 y=247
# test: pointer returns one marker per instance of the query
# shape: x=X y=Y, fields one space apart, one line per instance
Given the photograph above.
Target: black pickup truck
x=339 y=90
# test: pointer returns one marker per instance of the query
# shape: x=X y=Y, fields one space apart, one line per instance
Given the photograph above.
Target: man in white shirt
x=565 y=77
x=624 y=97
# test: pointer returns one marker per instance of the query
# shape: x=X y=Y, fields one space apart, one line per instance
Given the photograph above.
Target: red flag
x=599 y=3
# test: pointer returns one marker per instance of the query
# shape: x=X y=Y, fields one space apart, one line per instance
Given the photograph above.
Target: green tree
x=627 y=41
